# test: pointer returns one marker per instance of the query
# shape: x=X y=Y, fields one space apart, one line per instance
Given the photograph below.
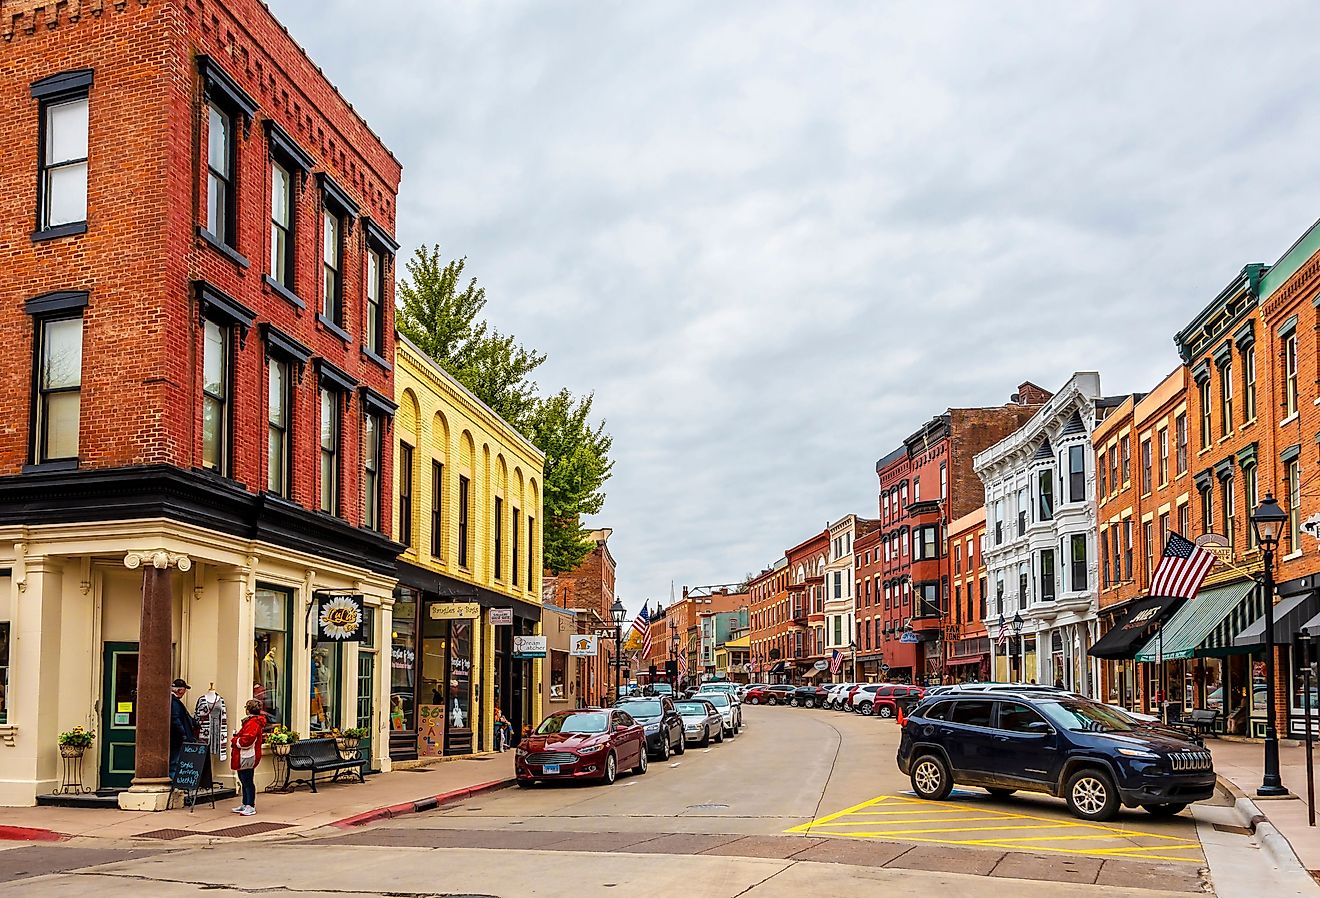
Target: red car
x=888 y=699
x=593 y=743
x=780 y=694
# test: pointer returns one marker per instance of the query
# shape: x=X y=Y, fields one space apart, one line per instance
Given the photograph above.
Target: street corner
x=969 y=819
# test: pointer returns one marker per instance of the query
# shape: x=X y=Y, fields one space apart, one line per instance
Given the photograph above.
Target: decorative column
x=151 y=783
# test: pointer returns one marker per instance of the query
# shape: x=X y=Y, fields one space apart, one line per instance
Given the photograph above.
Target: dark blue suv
x=1091 y=755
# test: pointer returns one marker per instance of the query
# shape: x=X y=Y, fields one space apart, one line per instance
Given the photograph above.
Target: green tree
x=577 y=464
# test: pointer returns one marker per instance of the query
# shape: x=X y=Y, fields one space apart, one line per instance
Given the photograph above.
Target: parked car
x=1058 y=744
x=658 y=689
x=595 y=743
x=889 y=698
x=660 y=720
x=861 y=698
x=809 y=696
x=701 y=721
x=730 y=712
x=835 y=697
x=779 y=694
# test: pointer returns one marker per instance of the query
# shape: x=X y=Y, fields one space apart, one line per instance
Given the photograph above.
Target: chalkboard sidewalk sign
x=193 y=773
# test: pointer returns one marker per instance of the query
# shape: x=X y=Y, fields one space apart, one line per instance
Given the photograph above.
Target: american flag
x=836 y=661
x=642 y=627
x=682 y=664
x=1181 y=569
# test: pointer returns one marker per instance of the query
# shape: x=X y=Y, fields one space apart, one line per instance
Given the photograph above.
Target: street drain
x=707 y=807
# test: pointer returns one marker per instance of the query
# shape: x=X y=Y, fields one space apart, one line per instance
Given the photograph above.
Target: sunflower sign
x=339 y=617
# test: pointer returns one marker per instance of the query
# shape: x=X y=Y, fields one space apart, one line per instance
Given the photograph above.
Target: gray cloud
x=776 y=237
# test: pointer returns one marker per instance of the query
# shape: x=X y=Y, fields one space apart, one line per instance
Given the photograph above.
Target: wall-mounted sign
x=339 y=617
x=1217 y=546
x=583 y=647
x=909 y=638
x=529 y=646
x=821 y=665
x=454 y=610
x=501 y=617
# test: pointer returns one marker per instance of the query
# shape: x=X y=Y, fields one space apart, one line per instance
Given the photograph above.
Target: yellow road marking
x=909 y=822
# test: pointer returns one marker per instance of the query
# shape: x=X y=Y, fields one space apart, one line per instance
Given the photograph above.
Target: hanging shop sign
x=821 y=665
x=529 y=646
x=910 y=638
x=454 y=610
x=583 y=647
x=339 y=617
x=501 y=617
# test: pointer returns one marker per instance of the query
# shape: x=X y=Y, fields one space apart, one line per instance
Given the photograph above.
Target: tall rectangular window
x=531 y=551
x=499 y=537
x=272 y=650
x=332 y=263
x=1126 y=461
x=1203 y=388
x=1127 y=549
x=1148 y=536
x=1249 y=384
x=1164 y=457
x=375 y=302
x=1290 y=374
x=1294 y=483
x=281 y=225
x=515 y=528
x=437 y=509
x=216 y=365
x=1104 y=559
x=1229 y=502
x=4 y=671
x=1249 y=490
x=1164 y=530
x=277 y=426
x=1145 y=467
x=1102 y=471
x=1184 y=519
x=371 y=452
x=406 y=494
x=1045 y=495
x=464 y=487
x=1078 y=576
x=1048 y=581
x=329 y=451
x=220 y=174
x=63 y=163
x=1076 y=474
x=1207 y=510
x=59 y=389
x=944 y=480
x=1022 y=586
x=1226 y=397
x=1113 y=470
x=1180 y=437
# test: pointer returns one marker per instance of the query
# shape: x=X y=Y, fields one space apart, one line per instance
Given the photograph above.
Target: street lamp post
x=1268 y=520
x=852 y=647
x=1017 y=638
x=673 y=655
x=618 y=612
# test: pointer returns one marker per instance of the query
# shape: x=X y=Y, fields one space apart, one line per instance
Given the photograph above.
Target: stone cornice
x=26 y=17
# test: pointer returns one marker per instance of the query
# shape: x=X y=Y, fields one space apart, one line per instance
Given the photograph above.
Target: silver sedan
x=730 y=710
x=701 y=721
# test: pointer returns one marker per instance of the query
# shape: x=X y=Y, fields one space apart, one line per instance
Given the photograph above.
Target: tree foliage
x=441 y=315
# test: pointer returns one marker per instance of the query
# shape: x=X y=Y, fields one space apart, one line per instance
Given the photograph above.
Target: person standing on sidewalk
x=182 y=726
x=246 y=755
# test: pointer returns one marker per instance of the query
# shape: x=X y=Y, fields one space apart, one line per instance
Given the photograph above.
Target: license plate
x=550 y=768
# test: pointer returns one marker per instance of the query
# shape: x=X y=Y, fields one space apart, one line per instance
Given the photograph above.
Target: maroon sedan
x=593 y=743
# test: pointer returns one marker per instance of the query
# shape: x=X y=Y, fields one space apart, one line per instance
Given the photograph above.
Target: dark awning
x=778 y=668
x=1290 y=615
x=1133 y=631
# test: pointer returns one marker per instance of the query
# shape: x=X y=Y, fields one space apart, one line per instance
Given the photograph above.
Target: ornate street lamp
x=618 y=612
x=1268 y=520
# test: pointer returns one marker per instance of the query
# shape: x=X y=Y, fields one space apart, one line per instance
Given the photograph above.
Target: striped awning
x=1206 y=625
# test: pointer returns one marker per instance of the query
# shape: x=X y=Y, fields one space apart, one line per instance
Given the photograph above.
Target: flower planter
x=281 y=748
x=348 y=747
x=72 y=751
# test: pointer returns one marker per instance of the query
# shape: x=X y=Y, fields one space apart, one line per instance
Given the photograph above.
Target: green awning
x=1205 y=625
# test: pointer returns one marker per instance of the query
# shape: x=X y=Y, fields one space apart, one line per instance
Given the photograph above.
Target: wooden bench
x=320 y=756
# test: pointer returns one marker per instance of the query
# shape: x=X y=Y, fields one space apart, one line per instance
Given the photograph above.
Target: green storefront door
x=119 y=707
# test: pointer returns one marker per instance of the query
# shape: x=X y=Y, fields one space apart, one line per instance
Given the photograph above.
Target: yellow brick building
x=468 y=512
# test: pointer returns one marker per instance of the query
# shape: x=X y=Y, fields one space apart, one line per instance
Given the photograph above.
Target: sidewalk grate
x=248 y=829
x=1230 y=828
x=166 y=834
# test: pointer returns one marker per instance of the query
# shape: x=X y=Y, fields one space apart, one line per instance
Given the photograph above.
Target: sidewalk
x=343 y=803
x=1241 y=763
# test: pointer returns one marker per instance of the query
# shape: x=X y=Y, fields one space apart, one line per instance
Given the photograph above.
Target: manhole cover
x=166 y=834
x=707 y=807
x=249 y=829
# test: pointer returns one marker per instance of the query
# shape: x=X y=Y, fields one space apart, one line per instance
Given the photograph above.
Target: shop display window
x=403 y=662
x=558 y=668
x=324 y=712
x=271 y=656
x=4 y=671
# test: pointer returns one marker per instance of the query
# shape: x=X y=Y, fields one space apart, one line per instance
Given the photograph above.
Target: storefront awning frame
x=1205 y=626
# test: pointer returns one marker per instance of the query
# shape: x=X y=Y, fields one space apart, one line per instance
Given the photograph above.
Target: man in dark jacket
x=182 y=726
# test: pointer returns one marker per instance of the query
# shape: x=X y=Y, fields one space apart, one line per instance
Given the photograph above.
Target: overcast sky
x=775 y=238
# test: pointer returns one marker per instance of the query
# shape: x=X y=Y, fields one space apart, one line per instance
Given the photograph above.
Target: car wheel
x=1163 y=810
x=886 y=711
x=754 y=700
x=809 y=703
x=1091 y=795
x=526 y=784
x=866 y=708
x=930 y=778
x=664 y=749
x=1000 y=793
x=705 y=738
x=611 y=770
x=771 y=701
x=719 y=735
x=793 y=703
x=641 y=762
x=682 y=744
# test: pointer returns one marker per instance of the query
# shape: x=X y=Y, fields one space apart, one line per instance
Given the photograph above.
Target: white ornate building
x=1040 y=545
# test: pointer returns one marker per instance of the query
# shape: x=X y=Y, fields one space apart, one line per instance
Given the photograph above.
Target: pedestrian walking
x=503 y=731
x=183 y=728
x=246 y=755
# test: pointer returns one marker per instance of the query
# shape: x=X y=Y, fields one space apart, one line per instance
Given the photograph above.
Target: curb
x=30 y=834
x=1275 y=843
x=427 y=803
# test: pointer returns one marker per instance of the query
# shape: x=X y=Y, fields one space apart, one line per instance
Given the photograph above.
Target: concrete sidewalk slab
x=1242 y=765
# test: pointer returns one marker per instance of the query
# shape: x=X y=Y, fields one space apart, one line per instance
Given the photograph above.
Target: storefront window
x=459 y=735
x=558 y=667
x=326 y=660
x=271 y=659
x=433 y=706
x=1299 y=686
x=4 y=671
x=403 y=662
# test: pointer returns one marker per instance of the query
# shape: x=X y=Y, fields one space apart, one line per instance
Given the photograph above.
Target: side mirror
x=1040 y=728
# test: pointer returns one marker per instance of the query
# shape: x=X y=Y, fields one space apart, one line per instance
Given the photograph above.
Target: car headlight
x=590 y=750
x=652 y=729
x=1138 y=753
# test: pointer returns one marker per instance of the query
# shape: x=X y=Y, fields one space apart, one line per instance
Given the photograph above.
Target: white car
x=835 y=697
x=730 y=710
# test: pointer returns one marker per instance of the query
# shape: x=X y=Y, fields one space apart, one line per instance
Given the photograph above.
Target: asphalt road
x=801 y=800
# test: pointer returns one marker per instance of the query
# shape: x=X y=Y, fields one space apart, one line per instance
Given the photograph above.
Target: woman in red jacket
x=245 y=755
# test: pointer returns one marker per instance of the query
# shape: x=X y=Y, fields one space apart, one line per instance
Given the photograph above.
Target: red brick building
x=870 y=608
x=771 y=618
x=967 y=644
x=924 y=485
x=804 y=644
x=199 y=299
x=588 y=589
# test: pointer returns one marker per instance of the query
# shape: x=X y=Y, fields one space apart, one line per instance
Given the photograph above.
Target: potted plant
x=75 y=741
x=347 y=740
x=280 y=739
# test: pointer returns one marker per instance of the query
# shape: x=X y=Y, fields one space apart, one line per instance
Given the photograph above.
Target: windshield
x=718 y=699
x=1081 y=716
x=574 y=723
x=662 y=689
x=692 y=709
x=642 y=709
